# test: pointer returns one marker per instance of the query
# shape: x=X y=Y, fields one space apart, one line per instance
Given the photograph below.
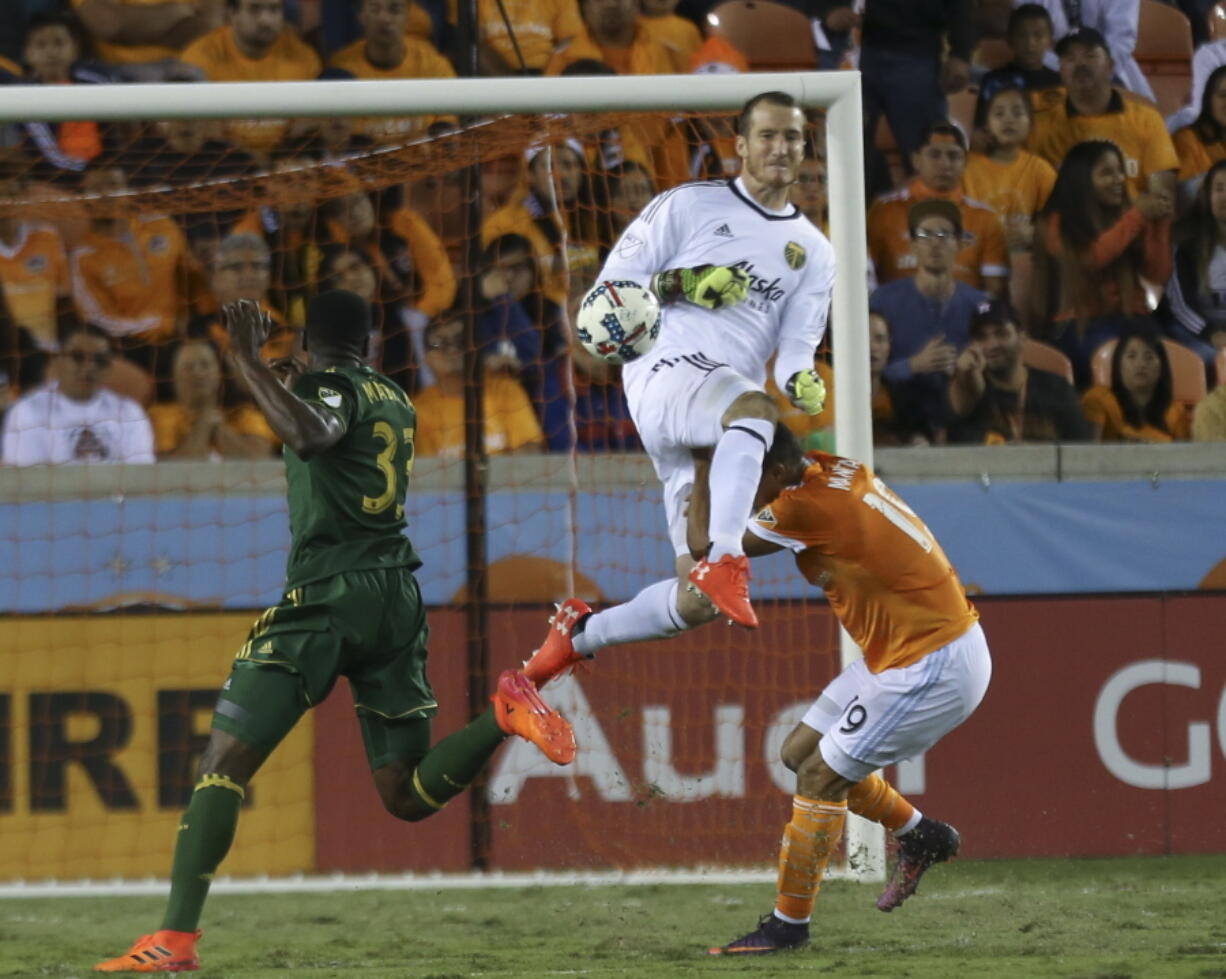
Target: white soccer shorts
x=677 y=404
x=870 y=720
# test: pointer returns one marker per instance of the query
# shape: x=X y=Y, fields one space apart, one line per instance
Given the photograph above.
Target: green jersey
x=346 y=505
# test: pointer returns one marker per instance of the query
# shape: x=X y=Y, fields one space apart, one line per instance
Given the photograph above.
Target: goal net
x=473 y=215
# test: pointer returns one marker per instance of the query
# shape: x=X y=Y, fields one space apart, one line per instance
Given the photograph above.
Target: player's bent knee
x=228 y=756
x=817 y=780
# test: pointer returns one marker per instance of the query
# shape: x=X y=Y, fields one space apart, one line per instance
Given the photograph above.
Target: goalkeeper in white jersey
x=742 y=276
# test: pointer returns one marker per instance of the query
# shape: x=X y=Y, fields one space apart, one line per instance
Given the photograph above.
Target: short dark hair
x=338 y=320
x=770 y=98
x=1086 y=37
x=589 y=66
x=941 y=129
x=55 y=18
x=453 y=315
x=1028 y=11
x=785 y=449
x=933 y=207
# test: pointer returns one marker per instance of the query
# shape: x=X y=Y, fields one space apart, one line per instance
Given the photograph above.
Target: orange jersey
x=679 y=34
x=1131 y=122
x=885 y=575
x=421 y=60
x=289 y=60
x=541 y=26
x=33 y=275
x=130 y=284
x=172 y=423
x=510 y=422
x=1017 y=189
x=983 y=255
x=1195 y=155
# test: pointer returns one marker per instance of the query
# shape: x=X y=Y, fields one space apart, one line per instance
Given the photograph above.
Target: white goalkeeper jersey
x=790 y=265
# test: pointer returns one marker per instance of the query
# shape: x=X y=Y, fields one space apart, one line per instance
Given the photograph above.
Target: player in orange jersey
x=925 y=668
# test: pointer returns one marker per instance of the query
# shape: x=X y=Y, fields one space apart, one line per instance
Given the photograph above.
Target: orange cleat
x=726 y=584
x=557 y=653
x=519 y=709
x=163 y=951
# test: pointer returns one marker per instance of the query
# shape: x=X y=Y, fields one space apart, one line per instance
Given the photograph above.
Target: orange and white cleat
x=163 y=951
x=557 y=653
x=726 y=584
x=519 y=709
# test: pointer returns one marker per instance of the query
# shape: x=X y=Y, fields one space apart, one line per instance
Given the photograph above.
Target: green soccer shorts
x=368 y=626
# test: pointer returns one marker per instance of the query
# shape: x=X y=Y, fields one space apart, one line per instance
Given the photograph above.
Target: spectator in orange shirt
x=204 y=421
x=1093 y=248
x=679 y=34
x=510 y=424
x=35 y=301
x=144 y=37
x=557 y=198
x=386 y=52
x=242 y=270
x=1138 y=406
x=1096 y=110
x=1012 y=181
x=1203 y=143
x=520 y=36
x=982 y=261
x=613 y=33
x=255 y=46
x=129 y=275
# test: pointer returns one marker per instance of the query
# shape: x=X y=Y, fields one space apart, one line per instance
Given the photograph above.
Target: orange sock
x=876 y=799
x=808 y=841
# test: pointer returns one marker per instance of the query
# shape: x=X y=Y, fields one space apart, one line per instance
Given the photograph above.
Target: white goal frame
x=838 y=92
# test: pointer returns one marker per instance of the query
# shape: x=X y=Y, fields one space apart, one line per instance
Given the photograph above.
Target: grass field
x=1107 y=919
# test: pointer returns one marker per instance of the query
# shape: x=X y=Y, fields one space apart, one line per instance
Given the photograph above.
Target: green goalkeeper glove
x=807 y=391
x=709 y=286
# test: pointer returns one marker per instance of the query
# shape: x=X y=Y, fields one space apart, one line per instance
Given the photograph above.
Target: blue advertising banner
x=229 y=550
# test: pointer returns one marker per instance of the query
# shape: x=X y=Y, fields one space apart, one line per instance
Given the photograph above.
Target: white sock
x=651 y=614
x=736 y=468
x=910 y=824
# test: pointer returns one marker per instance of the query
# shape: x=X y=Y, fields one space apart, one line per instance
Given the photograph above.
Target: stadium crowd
x=1048 y=251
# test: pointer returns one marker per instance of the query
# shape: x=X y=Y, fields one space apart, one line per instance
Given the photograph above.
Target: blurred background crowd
x=1046 y=222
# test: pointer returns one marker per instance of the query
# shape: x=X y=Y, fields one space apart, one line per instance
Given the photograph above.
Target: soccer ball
x=618 y=321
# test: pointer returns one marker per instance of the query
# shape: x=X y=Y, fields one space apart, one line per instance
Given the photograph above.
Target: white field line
x=400 y=882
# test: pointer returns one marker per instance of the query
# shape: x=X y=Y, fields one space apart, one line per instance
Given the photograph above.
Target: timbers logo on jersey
x=794 y=255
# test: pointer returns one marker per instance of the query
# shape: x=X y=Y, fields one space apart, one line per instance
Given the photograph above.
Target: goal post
x=838 y=93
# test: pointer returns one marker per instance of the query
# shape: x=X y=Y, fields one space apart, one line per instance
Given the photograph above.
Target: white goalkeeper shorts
x=677 y=403
x=870 y=720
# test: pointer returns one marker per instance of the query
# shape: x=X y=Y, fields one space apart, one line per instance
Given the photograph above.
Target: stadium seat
x=771 y=36
x=1164 y=53
x=1217 y=22
x=1045 y=357
x=533 y=578
x=1187 y=370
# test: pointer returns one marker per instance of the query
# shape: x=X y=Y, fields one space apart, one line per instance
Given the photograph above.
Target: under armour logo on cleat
x=723 y=231
x=702 y=570
x=565 y=620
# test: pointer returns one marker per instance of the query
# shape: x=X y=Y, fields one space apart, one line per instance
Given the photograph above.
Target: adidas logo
x=723 y=231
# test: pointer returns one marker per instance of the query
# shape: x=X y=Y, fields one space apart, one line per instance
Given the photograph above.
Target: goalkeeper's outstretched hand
x=807 y=391
x=709 y=286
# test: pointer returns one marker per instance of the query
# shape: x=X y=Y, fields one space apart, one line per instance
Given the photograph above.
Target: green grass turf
x=1108 y=919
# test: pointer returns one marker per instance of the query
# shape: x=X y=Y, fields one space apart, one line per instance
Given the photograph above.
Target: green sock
x=205 y=834
x=449 y=767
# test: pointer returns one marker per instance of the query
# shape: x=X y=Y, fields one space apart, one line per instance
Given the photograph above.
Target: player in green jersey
x=351 y=608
